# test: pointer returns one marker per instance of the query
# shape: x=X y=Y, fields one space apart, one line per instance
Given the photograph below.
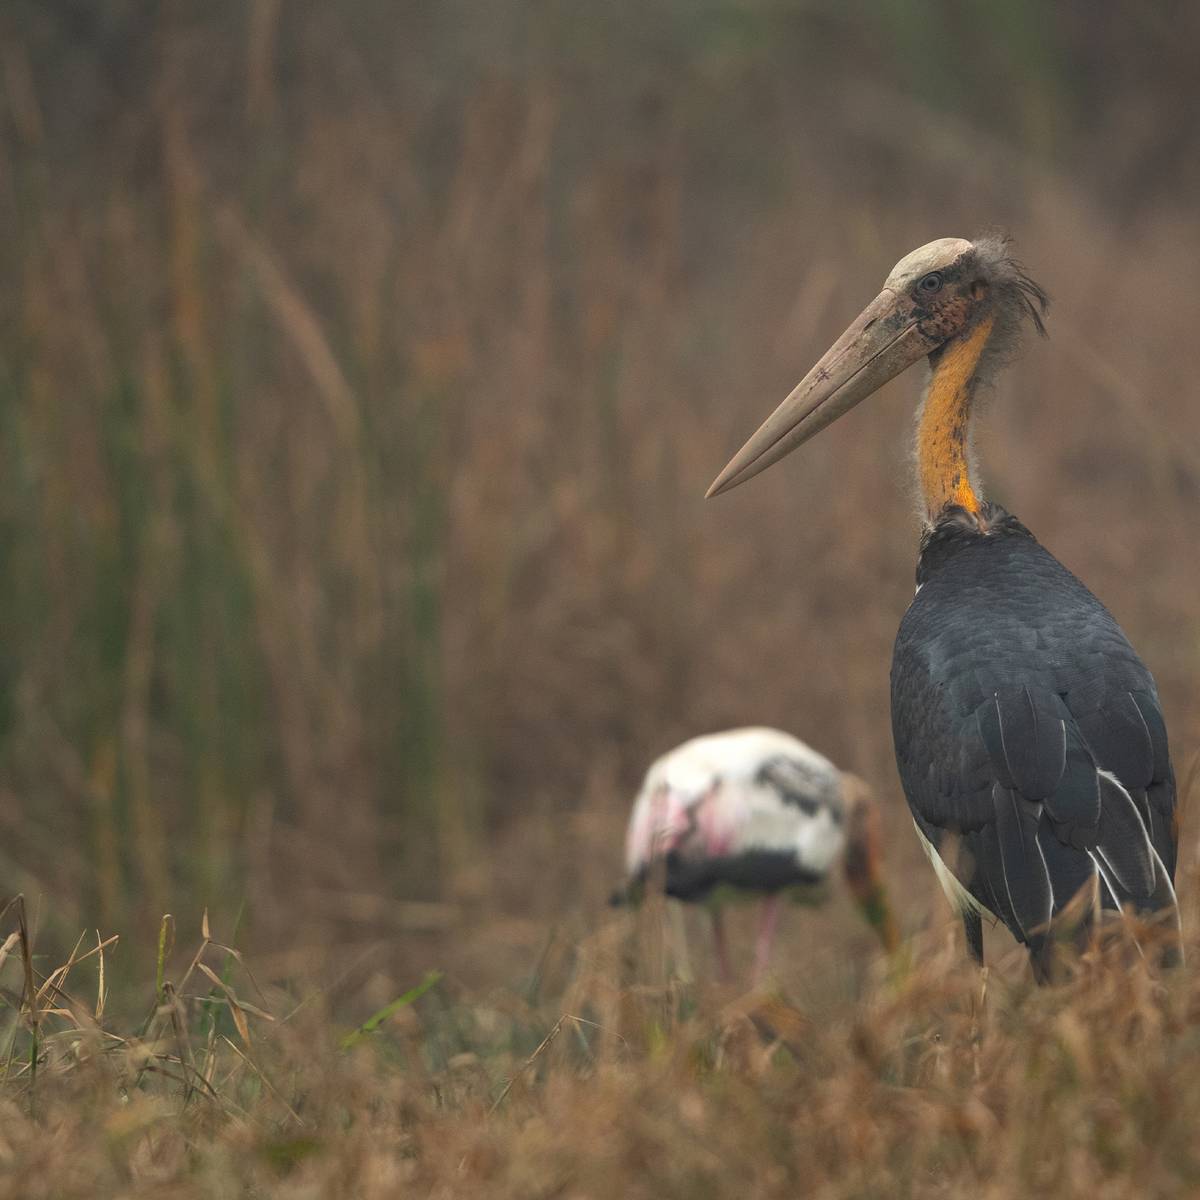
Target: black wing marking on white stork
x=808 y=784
x=1027 y=727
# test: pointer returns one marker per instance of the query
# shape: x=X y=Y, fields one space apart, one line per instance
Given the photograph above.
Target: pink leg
x=719 y=945
x=768 y=922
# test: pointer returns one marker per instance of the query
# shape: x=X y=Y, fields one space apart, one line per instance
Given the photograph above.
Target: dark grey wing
x=1027 y=728
x=1053 y=796
x=963 y=786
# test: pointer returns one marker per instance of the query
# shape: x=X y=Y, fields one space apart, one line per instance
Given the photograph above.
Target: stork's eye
x=931 y=283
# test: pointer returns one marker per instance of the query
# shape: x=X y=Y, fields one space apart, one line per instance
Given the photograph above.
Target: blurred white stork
x=754 y=811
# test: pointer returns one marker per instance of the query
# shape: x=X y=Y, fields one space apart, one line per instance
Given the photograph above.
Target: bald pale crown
x=933 y=256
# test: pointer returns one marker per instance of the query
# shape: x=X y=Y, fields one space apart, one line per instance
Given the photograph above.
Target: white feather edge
x=960 y=899
x=1159 y=865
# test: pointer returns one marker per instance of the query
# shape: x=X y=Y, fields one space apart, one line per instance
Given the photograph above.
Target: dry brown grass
x=922 y=1078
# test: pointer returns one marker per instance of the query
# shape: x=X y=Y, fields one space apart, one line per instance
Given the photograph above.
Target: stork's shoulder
x=991 y=535
x=989 y=564
x=995 y=607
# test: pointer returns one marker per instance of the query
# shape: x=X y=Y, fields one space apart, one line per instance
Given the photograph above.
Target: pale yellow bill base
x=882 y=341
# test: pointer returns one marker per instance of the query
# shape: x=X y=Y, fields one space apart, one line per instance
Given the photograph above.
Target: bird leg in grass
x=978 y=1018
x=768 y=922
x=683 y=960
x=721 y=947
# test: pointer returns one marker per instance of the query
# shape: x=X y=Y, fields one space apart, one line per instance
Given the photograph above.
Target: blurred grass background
x=362 y=367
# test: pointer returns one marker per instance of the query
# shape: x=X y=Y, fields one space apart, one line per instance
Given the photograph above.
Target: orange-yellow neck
x=942 y=456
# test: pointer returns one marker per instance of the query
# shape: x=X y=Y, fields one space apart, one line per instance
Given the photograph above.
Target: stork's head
x=947 y=291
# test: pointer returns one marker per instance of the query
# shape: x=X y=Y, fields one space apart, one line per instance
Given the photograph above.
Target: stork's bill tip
x=885 y=338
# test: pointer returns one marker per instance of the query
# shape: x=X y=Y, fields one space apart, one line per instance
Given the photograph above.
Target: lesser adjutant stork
x=1028 y=733
x=754 y=811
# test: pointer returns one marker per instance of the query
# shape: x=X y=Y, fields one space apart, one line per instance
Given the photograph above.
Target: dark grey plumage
x=1027 y=728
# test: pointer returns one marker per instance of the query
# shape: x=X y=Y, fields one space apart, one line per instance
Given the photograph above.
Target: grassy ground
x=916 y=1078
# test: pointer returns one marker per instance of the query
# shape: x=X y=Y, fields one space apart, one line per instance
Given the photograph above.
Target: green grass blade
x=432 y=978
